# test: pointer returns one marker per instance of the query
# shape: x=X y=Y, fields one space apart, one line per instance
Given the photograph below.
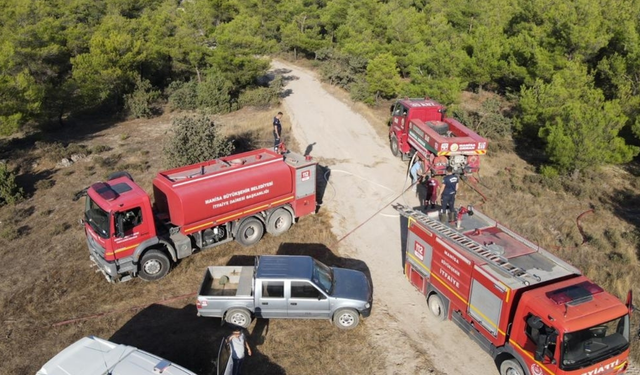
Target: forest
x=565 y=75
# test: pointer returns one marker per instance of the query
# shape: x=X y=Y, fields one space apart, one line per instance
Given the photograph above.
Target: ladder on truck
x=499 y=262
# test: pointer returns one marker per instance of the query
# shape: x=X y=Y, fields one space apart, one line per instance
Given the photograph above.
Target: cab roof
x=284 y=266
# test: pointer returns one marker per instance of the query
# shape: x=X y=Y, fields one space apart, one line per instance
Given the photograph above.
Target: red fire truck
x=531 y=311
x=419 y=126
x=196 y=207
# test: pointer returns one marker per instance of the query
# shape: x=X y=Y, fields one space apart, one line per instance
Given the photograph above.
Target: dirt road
x=364 y=176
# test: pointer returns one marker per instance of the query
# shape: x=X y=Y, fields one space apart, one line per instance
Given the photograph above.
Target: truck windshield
x=595 y=344
x=322 y=276
x=97 y=218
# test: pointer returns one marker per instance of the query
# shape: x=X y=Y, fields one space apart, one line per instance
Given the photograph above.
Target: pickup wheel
x=346 y=319
x=436 y=306
x=238 y=317
x=511 y=367
x=279 y=222
x=393 y=144
x=154 y=265
x=250 y=232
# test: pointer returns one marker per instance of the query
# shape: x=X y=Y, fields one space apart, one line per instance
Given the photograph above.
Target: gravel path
x=364 y=177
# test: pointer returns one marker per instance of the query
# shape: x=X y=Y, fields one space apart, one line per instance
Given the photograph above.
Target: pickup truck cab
x=95 y=356
x=284 y=286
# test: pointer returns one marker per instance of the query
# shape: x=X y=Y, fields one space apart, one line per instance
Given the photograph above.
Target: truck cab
x=118 y=218
x=572 y=327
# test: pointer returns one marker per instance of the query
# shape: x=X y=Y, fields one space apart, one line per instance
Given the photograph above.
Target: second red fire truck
x=531 y=311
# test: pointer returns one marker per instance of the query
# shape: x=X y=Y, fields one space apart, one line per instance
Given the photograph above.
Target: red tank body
x=239 y=197
x=219 y=188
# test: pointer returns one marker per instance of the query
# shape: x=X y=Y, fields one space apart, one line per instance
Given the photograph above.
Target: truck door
x=271 y=302
x=307 y=301
x=131 y=228
x=399 y=118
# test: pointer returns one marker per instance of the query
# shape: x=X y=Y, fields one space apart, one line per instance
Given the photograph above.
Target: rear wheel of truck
x=436 y=306
x=346 y=319
x=279 y=222
x=393 y=144
x=250 y=232
x=154 y=265
x=238 y=317
x=511 y=367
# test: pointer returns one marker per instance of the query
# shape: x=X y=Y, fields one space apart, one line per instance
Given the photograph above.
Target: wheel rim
x=513 y=371
x=152 y=267
x=279 y=224
x=238 y=319
x=250 y=233
x=346 y=319
x=394 y=146
x=436 y=308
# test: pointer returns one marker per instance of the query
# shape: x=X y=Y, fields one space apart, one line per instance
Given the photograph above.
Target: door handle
x=294 y=304
x=265 y=303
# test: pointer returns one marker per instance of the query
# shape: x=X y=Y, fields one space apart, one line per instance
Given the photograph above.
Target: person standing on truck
x=448 y=191
x=432 y=192
x=417 y=173
x=277 y=131
x=238 y=344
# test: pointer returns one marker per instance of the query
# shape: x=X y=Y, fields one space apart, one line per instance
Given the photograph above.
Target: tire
x=154 y=265
x=393 y=144
x=511 y=367
x=279 y=222
x=238 y=317
x=436 y=306
x=250 y=232
x=346 y=319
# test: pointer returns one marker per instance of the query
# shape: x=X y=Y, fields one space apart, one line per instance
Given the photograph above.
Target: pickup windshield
x=595 y=344
x=97 y=218
x=323 y=276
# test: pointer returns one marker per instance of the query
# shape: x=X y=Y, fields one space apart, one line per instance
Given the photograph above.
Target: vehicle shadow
x=325 y=255
x=323 y=174
x=180 y=336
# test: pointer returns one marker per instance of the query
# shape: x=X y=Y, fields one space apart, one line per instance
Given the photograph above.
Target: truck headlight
x=367 y=305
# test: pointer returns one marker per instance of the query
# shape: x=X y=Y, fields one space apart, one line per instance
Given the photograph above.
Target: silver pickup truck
x=285 y=286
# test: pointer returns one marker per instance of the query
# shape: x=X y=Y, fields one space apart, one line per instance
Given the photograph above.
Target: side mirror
x=630 y=301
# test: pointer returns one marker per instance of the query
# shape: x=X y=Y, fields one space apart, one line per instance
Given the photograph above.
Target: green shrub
x=194 y=139
x=213 y=94
x=10 y=192
x=261 y=97
x=98 y=149
x=139 y=103
x=183 y=95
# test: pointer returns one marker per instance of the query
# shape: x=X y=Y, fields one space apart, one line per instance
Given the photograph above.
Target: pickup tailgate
x=223 y=288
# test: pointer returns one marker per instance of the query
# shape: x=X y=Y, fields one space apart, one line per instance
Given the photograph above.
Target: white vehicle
x=95 y=356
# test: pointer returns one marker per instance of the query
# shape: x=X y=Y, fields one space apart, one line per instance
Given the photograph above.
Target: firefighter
x=417 y=173
x=447 y=194
x=432 y=192
x=277 y=131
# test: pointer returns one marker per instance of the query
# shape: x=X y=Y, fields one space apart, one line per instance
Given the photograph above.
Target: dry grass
x=46 y=276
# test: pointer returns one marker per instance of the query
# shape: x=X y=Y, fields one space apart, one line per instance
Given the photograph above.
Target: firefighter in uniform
x=448 y=191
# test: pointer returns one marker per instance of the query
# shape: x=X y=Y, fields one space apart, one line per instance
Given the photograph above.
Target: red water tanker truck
x=420 y=126
x=196 y=207
x=534 y=313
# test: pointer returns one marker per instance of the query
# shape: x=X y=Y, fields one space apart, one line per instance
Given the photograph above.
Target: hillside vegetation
x=570 y=70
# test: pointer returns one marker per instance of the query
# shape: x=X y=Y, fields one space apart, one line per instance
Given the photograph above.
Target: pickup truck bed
x=228 y=281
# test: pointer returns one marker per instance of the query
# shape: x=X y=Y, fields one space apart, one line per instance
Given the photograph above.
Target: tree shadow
x=325 y=255
x=178 y=335
x=243 y=142
x=28 y=180
x=625 y=204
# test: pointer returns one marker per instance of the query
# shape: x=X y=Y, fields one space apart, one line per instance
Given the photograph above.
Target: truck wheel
x=346 y=319
x=154 y=265
x=436 y=306
x=238 y=317
x=511 y=367
x=250 y=232
x=393 y=144
x=279 y=222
